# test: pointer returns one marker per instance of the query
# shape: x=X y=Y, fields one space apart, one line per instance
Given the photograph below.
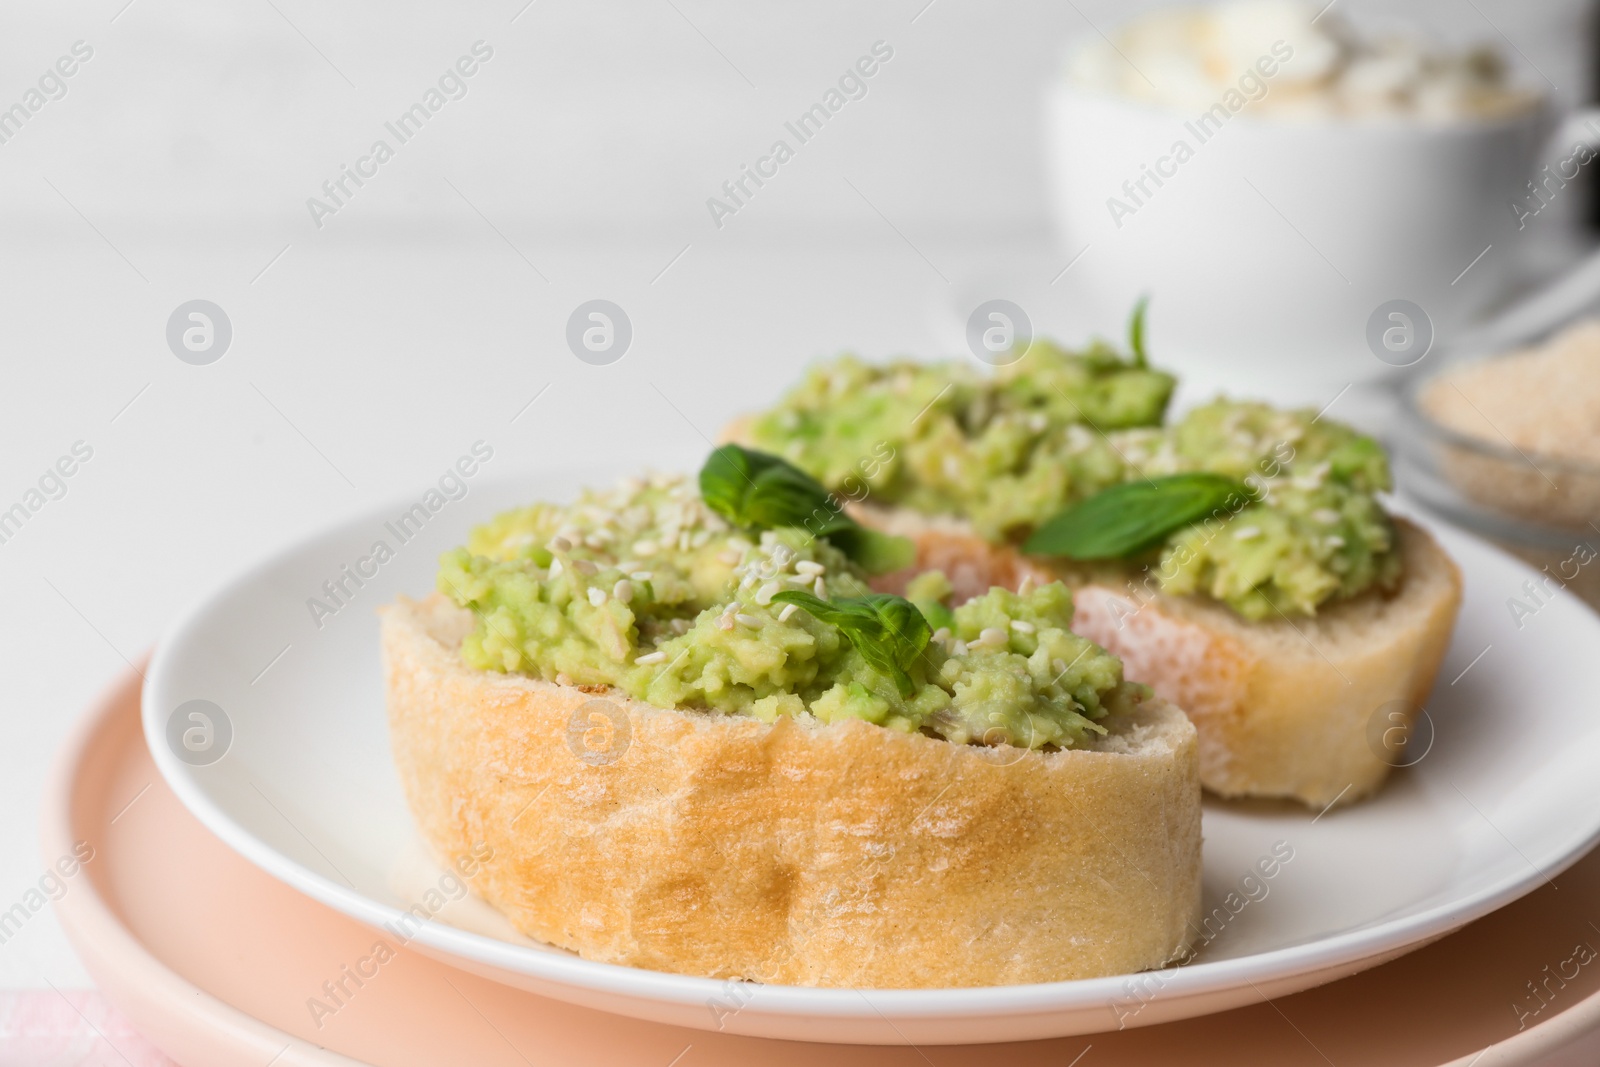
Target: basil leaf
x=757 y=491
x=1136 y=333
x=1133 y=516
x=888 y=631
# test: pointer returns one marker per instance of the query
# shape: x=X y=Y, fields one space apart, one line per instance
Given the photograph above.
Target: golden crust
x=1285 y=708
x=842 y=855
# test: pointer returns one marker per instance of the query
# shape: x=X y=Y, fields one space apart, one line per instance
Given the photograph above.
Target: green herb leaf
x=1133 y=516
x=757 y=491
x=1136 y=333
x=888 y=631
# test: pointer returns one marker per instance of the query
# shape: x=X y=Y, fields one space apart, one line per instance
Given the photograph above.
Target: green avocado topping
x=1016 y=452
x=648 y=589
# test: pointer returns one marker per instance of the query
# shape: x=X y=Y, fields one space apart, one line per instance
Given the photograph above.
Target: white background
x=369 y=353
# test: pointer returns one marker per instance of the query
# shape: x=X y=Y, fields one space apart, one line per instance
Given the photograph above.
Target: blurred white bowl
x=1271 y=244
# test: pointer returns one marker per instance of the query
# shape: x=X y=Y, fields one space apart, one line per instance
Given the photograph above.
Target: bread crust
x=1297 y=707
x=797 y=852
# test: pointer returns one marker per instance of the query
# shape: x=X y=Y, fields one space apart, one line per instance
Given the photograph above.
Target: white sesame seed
x=562 y=678
x=641 y=576
x=809 y=568
x=584 y=567
x=597 y=596
x=623 y=590
x=959 y=648
x=730 y=556
x=724 y=622
x=820 y=588
x=653 y=657
x=747 y=582
x=680 y=626
x=558 y=544
x=747 y=620
x=1022 y=626
x=1025 y=586
x=765 y=594
x=1245 y=533
x=941 y=635
x=645 y=548
x=1059 y=666
x=992 y=635
x=788 y=610
x=555 y=568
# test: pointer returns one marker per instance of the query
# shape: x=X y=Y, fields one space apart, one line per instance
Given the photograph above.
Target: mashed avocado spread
x=1007 y=451
x=647 y=589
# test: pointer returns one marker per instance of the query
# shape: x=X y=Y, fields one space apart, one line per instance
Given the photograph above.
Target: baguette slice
x=800 y=853
x=1298 y=708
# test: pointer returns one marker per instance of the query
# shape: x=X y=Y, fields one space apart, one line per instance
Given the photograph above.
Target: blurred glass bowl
x=1492 y=486
x=1544 y=509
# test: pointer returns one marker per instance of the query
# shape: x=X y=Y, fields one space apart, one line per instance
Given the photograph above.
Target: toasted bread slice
x=1305 y=708
x=796 y=852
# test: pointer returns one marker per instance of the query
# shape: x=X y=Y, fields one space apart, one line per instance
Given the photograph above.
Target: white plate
x=1504 y=800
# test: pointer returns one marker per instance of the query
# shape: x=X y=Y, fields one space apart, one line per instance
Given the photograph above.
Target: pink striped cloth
x=71 y=1028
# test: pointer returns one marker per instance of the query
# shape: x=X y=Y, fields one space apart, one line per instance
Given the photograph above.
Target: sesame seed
x=747 y=620
x=788 y=610
x=562 y=678
x=645 y=548
x=641 y=576
x=597 y=596
x=1025 y=586
x=724 y=622
x=820 y=588
x=1022 y=626
x=1059 y=666
x=809 y=568
x=941 y=635
x=680 y=626
x=992 y=635
x=765 y=594
x=584 y=567
x=555 y=568
x=559 y=544
x=1245 y=533
x=623 y=590
x=959 y=648
x=730 y=556
x=652 y=657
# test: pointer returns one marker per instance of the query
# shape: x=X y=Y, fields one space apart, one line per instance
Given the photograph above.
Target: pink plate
x=220 y=964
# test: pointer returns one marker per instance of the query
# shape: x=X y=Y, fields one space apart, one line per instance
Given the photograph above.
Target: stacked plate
x=259 y=890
